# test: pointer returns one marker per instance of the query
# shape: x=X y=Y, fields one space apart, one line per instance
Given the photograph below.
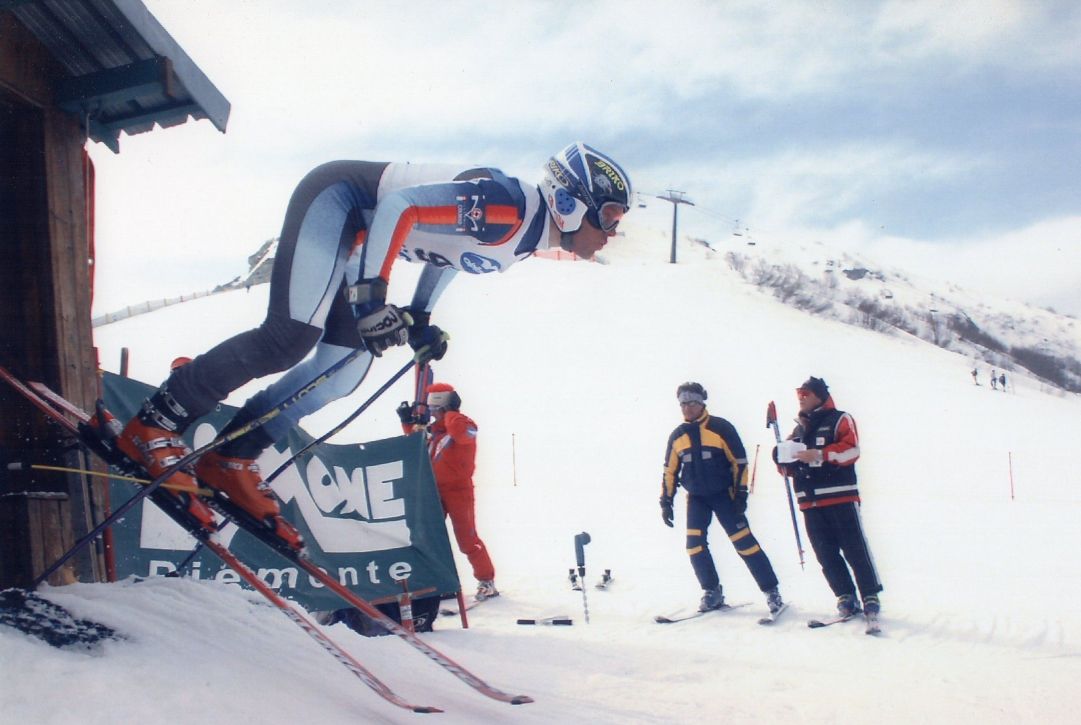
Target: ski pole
x=580 y=540
x=754 y=470
x=353 y=416
x=218 y=442
x=771 y=422
x=424 y=376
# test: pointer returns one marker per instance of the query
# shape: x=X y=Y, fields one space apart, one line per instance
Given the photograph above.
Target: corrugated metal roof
x=126 y=73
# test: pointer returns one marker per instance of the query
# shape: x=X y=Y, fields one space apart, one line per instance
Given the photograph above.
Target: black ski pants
x=836 y=535
x=700 y=511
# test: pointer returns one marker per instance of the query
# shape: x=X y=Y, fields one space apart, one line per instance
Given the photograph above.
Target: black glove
x=420 y=414
x=428 y=342
x=383 y=328
x=667 y=516
x=739 y=499
x=405 y=413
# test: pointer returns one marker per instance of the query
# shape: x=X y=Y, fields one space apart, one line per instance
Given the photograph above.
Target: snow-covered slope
x=888 y=297
x=570 y=369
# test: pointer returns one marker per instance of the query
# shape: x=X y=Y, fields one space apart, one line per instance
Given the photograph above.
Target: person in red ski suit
x=452 y=447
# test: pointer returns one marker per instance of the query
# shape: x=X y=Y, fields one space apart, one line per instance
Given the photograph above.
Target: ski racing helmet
x=581 y=182
x=443 y=395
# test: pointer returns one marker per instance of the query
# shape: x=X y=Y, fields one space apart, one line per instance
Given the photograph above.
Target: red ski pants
x=458 y=505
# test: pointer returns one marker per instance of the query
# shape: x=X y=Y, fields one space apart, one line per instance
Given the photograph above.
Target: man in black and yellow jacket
x=706 y=456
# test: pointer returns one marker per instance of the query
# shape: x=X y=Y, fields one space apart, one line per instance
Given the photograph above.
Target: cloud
x=878 y=119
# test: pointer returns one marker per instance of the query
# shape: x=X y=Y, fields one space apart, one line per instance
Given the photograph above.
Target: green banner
x=370 y=515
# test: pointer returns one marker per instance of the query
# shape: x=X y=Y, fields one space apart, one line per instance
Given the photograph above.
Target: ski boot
x=156 y=449
x=774 y=601
x=871 y=608
x=240 y=481
x=485 y=590
x=711 y=599
x=847 y=606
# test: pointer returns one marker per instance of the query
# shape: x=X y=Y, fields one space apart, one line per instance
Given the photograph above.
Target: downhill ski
x=470 y=606
x=77 y=423
x=682 y=615
x=819 y=623
x=774 y=616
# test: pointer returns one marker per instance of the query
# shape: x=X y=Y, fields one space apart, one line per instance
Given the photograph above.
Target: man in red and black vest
x=820 y=457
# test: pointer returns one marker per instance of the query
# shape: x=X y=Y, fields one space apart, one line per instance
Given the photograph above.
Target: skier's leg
x=459 y=504
x=699 y=515
x=856 y=550
x=827 y=549
x=747 y=546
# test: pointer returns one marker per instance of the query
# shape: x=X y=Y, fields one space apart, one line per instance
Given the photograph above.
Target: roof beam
x=87 y=93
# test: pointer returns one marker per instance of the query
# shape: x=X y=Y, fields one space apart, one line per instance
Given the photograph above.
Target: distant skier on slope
x=824 y=478
x=346 y=225
x=706 y=456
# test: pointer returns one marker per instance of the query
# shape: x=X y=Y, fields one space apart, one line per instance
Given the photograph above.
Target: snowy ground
x=570 y=370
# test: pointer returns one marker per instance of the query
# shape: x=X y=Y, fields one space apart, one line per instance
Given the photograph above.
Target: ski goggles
x=607 y=216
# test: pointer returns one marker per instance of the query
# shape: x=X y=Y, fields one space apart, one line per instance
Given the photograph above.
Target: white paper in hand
x=787 y=450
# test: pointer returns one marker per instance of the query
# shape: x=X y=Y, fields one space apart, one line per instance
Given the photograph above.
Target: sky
x=972 y=524
x=942 y=138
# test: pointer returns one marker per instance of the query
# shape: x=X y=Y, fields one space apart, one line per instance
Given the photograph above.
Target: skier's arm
x=845 y=449
x=397 y=215
x=670 y=477
x=460 y=428
x=737 y=454
x=433 y=280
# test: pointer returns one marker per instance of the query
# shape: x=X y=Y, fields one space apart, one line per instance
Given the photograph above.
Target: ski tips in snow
x=682 y=615
x=560 y=620
x=774 y=616
x=819 y=623
x=871 y=620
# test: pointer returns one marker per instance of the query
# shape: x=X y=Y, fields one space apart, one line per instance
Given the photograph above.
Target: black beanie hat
x=817 y=386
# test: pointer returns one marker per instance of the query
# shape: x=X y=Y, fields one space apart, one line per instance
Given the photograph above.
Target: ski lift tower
x=676 y=198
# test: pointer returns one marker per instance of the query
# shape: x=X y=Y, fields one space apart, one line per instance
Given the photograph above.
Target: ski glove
x=405 y=413
x=667 y=515
x=383 y=328
x=739 y=499
x=428 y=342
x=413 y=413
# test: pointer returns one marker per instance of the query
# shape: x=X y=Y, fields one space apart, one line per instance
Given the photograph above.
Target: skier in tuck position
x=452 y=448
x=824 y=477
x=706 y=456
x=346 y=224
